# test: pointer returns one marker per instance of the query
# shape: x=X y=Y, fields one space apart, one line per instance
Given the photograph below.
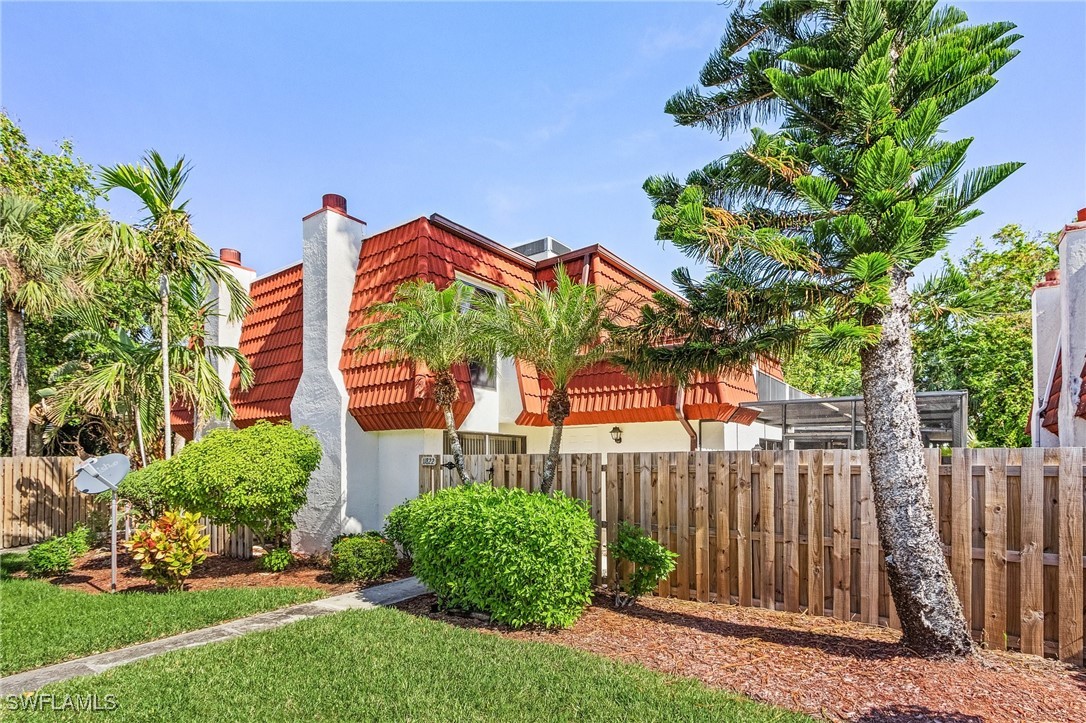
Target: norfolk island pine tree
x=812 y=231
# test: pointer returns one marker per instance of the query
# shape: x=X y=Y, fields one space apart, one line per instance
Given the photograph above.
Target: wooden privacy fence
x=1012 y=524
x=38 y=500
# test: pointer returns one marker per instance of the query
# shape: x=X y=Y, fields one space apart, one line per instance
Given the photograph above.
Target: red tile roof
x=271 y=339
x=181 y=421
x=1051 y=411
x=384 y=395
x=604 y=394
x=387 y=395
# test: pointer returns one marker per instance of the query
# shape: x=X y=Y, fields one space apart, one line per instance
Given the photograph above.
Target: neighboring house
x=374 y=418
x=1059 y=346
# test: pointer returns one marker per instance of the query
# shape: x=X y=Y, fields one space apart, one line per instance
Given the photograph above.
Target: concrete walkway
x=387 y=594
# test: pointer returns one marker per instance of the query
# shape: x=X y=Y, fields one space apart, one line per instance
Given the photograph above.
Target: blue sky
x=517 y=120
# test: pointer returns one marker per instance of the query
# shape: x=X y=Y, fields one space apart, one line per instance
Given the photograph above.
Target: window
x=477 y=443
x=481 y=378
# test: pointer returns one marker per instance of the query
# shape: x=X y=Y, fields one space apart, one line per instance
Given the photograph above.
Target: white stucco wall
x=1046 y=340
x=221 y=330
x=330 y=246
x=733 y=437
x=483 y=416
x=582 y=438
x=1072 y=333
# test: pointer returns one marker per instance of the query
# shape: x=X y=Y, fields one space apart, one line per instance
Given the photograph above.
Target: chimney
x=220 y=329
x=1072 y=304
x=335 y=202
x=331 y=243
x=230 y=256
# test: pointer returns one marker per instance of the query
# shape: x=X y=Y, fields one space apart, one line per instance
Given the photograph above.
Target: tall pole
x=113 y=544
x=164 y=294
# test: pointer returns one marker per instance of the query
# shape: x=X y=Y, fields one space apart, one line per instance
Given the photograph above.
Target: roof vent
x=335 y=202
x=230 y=256
x=544 y=248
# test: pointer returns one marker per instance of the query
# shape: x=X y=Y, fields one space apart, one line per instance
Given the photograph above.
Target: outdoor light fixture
x=616 y=434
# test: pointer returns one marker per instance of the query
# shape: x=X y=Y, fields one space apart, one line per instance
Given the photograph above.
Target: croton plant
x=168 y=547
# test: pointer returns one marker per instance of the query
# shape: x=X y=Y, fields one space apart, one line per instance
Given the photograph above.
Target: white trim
x=470 y=280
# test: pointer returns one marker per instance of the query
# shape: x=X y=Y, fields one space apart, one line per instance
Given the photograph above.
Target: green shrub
x=256 y=476
x=80 y=539
x=649 y=561
x=169 y=547
x=396 y=526
x=362 y=557
x=55 y=555
x=276 y=560
x=144 y=489
x=51 y=557
x=523 y=558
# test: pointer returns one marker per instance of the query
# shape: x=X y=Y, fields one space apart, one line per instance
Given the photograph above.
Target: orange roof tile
x=271 y=339
x=384 y=395
x=604 y=394
x=1051 y=411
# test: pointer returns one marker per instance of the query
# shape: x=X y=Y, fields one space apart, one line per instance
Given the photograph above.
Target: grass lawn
x=41 y=623
x=386 y=665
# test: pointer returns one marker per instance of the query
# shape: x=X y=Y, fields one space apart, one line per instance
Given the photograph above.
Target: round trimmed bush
x=362 y=557
x=523 y=558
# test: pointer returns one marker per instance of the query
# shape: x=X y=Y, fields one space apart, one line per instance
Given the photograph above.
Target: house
x=1059 y=345
x=374 y=418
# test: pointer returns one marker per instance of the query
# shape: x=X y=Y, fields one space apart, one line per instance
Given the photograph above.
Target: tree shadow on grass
x=911 y=713
x=829 y=643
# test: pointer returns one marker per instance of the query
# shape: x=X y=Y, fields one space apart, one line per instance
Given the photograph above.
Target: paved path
x=387 y=594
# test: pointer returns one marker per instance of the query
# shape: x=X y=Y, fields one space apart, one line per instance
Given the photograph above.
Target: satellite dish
x=98 y=474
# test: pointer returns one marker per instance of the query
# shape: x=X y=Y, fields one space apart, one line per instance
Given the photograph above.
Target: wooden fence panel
x=1070 y=564
x=1031 y=567
x=768 y=528
x=797 y=529
x=38 y=500
x=995 y=548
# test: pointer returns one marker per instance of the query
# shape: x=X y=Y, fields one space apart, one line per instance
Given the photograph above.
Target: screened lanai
x=838 y=422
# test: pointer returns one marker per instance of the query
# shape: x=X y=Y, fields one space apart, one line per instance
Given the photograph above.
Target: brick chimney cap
x=230 y=256
x=1052 y=278
x=1082 y=214
x=335 y=202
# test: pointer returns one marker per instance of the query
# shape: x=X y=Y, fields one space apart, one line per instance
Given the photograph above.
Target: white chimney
x=1072 y=247
x=220 y=330
x=1046 y=343
x=331 y=242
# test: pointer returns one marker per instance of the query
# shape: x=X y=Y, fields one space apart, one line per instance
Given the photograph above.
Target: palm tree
x=36 y=279
x=437 y=329
x=560 y=331
x=119 y=381
x=814 y=230
x=161 y=248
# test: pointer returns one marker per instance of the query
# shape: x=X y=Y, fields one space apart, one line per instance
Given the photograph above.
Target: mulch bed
x=824 y=667
x=91 y=574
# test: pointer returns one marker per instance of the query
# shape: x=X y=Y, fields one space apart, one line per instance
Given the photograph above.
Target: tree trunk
x=557 y=411
x=167 y=429
x=445 y=393
x=454 y=442
x=920 y=582
x=20 y=387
